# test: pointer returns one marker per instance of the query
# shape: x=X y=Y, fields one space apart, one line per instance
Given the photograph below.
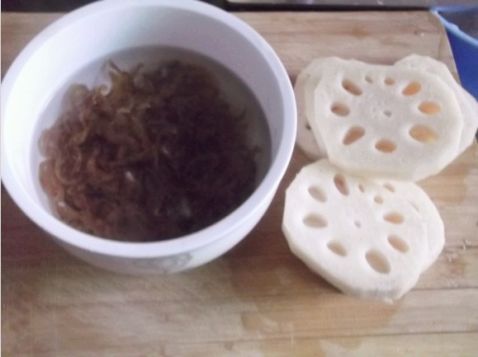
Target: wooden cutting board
x=258 y=299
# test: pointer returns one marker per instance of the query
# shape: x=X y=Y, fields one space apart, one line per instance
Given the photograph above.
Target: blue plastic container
x=461 y=24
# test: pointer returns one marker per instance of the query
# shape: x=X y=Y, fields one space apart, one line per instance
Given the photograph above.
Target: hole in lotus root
x=389 y=186
x=341 y=184
x=337 y=248
x=385 y=146
x=351 y=87
x=423 y=133
x=378 y=261
x=394 y=217
x=340 y=109
x=378 y=199
x=429 y=108
x=412 y=88
x=315 y=221
x=353 y=134
x=398 y=243
x=389 y=81
x=317 y=193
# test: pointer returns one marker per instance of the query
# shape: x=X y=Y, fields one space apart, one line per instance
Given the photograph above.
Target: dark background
x=238 y=5
x=57 y=5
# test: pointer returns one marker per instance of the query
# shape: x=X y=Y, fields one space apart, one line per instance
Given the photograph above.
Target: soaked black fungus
x=154 y=156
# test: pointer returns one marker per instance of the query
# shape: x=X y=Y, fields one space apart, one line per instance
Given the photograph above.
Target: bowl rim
x=205 y=236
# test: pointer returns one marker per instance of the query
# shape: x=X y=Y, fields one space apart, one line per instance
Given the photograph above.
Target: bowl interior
x=97 y=31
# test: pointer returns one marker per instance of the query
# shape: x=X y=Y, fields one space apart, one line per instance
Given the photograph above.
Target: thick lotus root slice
x=304 y=88
x=429 y=213
x=385 y=121
x=359 y=236
x=467 y=103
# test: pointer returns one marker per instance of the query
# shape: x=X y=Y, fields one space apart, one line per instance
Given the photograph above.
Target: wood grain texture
x=257 y=300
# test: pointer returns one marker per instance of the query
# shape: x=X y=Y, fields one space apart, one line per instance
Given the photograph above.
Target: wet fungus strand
x=158 y=155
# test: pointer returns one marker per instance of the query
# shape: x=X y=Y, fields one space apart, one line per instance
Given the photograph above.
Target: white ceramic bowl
x=93 y=32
